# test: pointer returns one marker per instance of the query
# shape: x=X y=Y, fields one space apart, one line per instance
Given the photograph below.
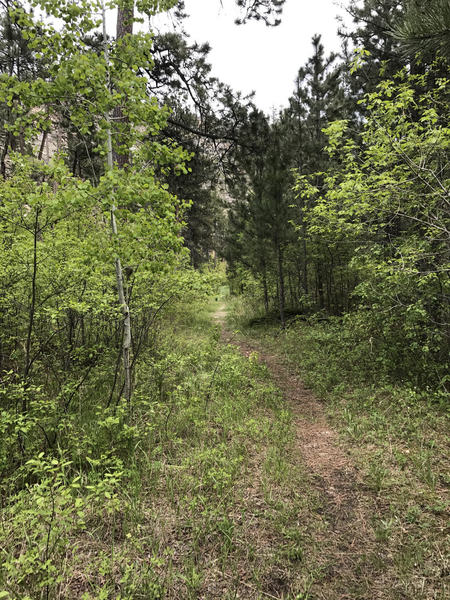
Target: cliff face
x=43 y=146
x=50 y=143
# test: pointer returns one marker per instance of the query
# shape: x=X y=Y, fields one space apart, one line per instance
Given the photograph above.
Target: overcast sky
x=254 y=57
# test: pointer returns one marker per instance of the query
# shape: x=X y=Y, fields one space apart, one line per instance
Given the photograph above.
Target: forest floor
x=357 y=545
x=239 y=475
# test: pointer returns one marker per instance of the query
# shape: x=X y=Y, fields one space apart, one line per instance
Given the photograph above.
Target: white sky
x=254 y=57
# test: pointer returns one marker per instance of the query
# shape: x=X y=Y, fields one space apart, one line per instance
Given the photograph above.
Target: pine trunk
x=281 y=293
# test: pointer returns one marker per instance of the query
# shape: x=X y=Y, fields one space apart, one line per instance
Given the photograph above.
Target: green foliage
x=40 y=524
x=108 y=498
x=68 y=441
x=373 y=202
x=60 y=322
x=85 y=491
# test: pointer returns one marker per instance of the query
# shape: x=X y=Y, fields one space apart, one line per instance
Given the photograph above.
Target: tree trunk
x=126 y=343
x=32 y=311
x=124 y=27
x=305 y=263
x=320 y=286
x=265 y=290
x=266 y=295
x=4 y=155
x=281 y=294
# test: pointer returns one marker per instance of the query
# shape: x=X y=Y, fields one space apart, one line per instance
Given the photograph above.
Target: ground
x=232 y=480
x=339 y=522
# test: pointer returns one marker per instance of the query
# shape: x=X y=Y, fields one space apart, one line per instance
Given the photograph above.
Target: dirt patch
x=220 y=314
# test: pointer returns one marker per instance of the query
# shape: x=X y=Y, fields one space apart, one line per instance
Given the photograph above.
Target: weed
x=383 y=529
x=377 y=474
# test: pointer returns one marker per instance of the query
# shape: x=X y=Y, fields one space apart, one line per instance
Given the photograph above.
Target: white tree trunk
x=126 y=344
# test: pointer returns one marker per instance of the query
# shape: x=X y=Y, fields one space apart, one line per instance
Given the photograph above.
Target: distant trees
x=318 y=98
x=294 y=140
x=364 y=235
x=207 y=119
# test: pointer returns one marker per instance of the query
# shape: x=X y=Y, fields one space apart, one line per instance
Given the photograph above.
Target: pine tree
x=19 y=61
x=319 y=98
x=268 y=11
x=374 y=20
x=425 y=29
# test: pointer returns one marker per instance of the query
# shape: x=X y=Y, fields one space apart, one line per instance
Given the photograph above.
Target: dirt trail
x=348 y=505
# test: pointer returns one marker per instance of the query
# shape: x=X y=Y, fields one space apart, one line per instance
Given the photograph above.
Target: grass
x=397 y=435
x=202 y=492
x=199 y=494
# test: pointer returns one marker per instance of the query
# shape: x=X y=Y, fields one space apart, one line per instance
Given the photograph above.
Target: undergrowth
x=191 y=494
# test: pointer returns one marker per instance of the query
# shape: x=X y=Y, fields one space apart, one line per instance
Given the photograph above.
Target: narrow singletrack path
x=348 y=505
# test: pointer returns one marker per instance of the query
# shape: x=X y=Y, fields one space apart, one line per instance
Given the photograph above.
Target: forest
x=224 y=334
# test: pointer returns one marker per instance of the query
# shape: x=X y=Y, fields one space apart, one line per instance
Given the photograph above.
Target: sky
x=253 y=57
